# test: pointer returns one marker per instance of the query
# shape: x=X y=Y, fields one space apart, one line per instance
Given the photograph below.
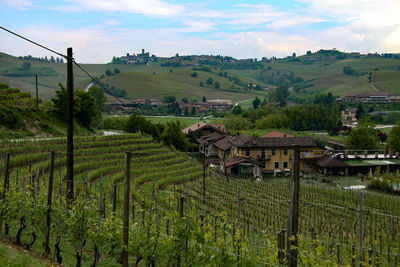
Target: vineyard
x=237 y=222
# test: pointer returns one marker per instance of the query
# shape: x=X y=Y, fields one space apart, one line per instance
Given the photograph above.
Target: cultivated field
x=236 y=221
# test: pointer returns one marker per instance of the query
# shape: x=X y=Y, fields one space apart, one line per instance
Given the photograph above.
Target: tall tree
x=394 y=136
x=363 y=137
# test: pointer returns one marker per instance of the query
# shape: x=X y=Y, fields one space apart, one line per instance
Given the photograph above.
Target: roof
x=202 y=125
x=277 y=134
x=327 y=161
x=237 y=160
x=248 y=142
x=224 y=143
x=210 y=138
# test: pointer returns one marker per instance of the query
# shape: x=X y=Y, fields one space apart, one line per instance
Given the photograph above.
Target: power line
x=64 y=56
x=33 y=42
x=97 y=81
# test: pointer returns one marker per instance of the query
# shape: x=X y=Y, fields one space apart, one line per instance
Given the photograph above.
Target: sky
x=97 y=30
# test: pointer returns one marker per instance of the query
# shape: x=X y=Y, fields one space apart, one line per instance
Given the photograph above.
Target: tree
x=201 y=84
x=108 y=72
x=60 y=101
x=360 y=111
x=25 y=65
x=293 y=55
x=394 y=137
x=116 y=71
x=98 y=95
x=85 y=107
x=209 y=81
x=282 y=92
x=349 y=70
x=363 y=137
x=169 y=99
x=308 y=53
x=382 y=137
x=256 y=103
x=203 y=99
x=173 y=135
x=193 y=74
x=216 y=85
x=237 y=110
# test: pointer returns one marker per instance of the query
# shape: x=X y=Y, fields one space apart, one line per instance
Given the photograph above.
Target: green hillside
x=321 y=71
x=20 y=118
x=180 y=84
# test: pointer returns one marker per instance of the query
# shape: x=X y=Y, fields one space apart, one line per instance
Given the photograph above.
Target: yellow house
x=274 y=152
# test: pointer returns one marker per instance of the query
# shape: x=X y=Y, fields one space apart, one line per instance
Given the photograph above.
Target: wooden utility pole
x=49 y=198
x=204 y=173
x=125 y=218
x=70 y=128
x=37 y=93
x=293 y=222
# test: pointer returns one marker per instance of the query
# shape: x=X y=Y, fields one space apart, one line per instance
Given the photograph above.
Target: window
x=263 y=154
x=273 y=152
x=276 y=165
x=285 y=152
x=248 y=152
x=285 y=165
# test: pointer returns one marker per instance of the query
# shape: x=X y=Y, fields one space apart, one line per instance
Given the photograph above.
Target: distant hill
x=317 y=72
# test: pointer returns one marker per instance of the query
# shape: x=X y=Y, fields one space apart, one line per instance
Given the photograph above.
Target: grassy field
x=180 y=84
x=11 y=256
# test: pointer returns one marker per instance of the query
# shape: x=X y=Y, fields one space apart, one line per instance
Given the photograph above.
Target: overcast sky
x=100 y=29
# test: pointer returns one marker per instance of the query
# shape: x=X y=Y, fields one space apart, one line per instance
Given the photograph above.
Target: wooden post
x=281 y=246
x=49 y=199
x=115 y=188
x=37 y=92
x=293 y=223
x=204 y=174
x=70 y=129
x=361 y=228
x=239 y=199
x=125 y=218
x=6 y=175
x=5 y=185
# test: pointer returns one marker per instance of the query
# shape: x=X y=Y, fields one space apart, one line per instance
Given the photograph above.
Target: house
x=240 y=166
x=275 y=153
x=205 y=128
x=206 y=143
x=349 y=115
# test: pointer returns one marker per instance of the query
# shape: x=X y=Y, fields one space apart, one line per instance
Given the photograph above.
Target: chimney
x=142 y=51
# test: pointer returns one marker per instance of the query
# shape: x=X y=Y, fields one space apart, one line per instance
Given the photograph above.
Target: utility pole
x=204 y=173
x=70 y=128
x=293 y=222
x=37 y=93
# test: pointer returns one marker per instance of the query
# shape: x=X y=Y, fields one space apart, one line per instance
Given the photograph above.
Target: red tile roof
x=277 y=134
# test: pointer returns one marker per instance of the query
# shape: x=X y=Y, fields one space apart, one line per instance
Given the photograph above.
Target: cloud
x=147 y=7
x=19 y=4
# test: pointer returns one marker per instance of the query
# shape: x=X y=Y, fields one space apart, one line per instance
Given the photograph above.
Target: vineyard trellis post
x=361 y=228
x=49 y=198
x=37 y=92
x=5 y=185
x=293 y=220
x=70 y=128
x=204 y=173
x=125 y=219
